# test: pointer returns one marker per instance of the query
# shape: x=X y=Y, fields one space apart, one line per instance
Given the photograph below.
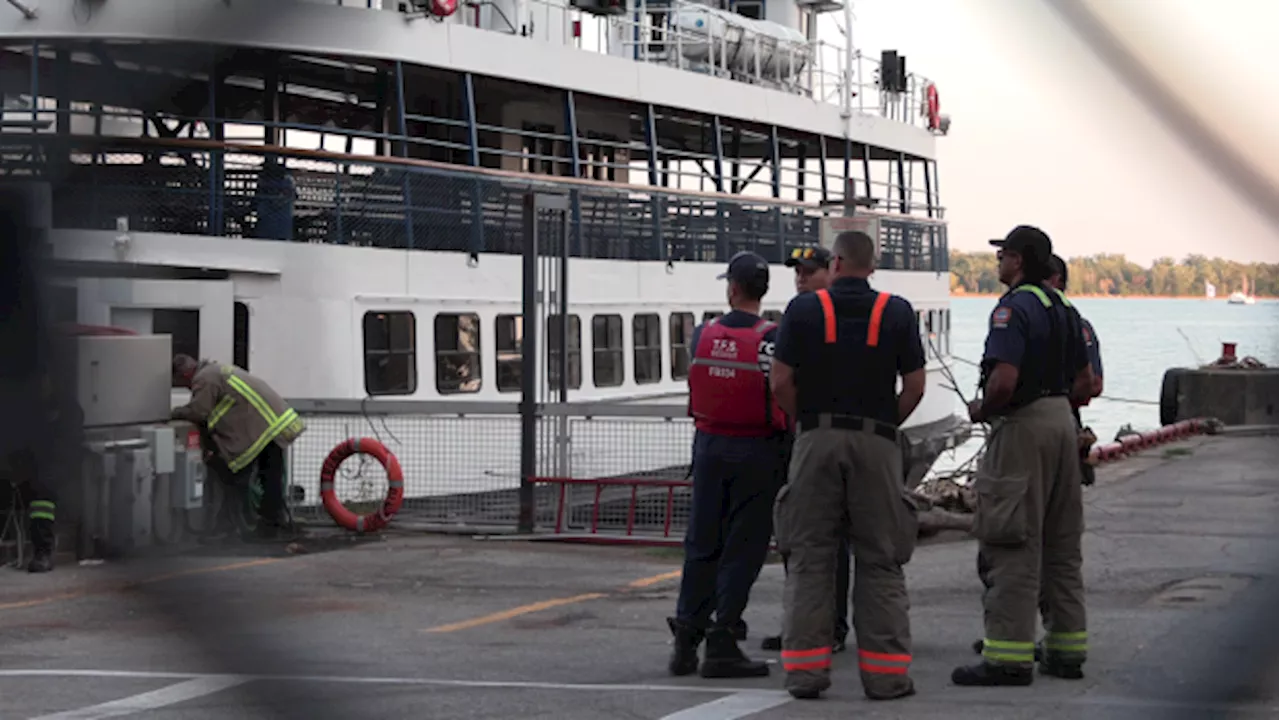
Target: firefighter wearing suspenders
x=738 y=466
x=1030 y=516
x=837 y=360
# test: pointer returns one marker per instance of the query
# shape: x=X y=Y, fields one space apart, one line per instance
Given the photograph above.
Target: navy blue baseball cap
x=1031 y=243
x=746 y=268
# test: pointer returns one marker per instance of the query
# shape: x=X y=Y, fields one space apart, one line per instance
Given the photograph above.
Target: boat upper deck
x=669 y=53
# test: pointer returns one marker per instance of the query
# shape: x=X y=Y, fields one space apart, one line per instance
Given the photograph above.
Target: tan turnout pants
x=1029 y=524
x=845 y=482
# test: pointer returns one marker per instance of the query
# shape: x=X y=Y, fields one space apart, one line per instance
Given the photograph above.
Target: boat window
x=646 y=334
x=772 y=315
x=182 y=327
x=711 y=315
x=508 y=334
x=240 y=336
x=390 y=353
x=681 y=329
x=946 y=330
x=753 y=9
x=457 y=343
x=606 y=350
x=920 y=328
x=62 y=303
x=932 y=325
x=574 y=347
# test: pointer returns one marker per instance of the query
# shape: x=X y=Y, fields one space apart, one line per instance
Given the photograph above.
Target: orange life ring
x=931 y=105
x=395 y=482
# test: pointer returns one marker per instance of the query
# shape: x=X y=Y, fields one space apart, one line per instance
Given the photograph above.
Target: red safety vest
x=728 y=392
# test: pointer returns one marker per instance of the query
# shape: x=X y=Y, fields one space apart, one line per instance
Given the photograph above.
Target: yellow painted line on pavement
x=655 y=579
x=122 y=587
x=548 y=604
x=513 y=612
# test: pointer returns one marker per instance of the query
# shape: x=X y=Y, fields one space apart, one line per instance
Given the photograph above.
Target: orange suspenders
x=829 y=317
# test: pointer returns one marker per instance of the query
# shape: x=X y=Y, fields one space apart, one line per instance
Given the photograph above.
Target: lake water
x=1140 y=340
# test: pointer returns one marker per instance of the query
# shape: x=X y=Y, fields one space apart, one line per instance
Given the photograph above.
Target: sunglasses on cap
x=802 y=254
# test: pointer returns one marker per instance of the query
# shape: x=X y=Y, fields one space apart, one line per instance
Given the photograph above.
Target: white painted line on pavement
x=738 y=705
x=164 y=697
x=944 y=698
x=358 y=680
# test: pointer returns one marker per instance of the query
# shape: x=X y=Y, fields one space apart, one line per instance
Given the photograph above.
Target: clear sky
x=1042 y=133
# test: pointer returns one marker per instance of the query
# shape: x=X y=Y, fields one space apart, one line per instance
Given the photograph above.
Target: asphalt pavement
x=1181 y=569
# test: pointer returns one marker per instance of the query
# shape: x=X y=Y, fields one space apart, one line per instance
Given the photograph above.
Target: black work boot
x=724 y=659
x=41 y=545
x=978 y=645
x=986 y=674
x=684 y=654
x=740 y=630
x=1060 y=667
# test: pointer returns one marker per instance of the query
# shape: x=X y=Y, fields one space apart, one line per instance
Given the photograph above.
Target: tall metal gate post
x=535 y=204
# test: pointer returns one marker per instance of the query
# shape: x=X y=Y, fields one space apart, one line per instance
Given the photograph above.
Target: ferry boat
x=330 y=193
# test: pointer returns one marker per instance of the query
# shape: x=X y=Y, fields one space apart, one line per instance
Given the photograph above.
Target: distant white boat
x=1242 y=296
x=1210 y=291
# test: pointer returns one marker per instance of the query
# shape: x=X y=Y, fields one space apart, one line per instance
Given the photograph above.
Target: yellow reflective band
x=42 y=504
x=254 y=398
x=1063 y=296
x=1009 y=651
x=1072 y=642
x=41 y=516
x=272 y=431
x=1034 y=290
x=223 y=406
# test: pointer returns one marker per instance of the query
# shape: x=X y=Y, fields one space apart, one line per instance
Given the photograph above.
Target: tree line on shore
x=1108 y=274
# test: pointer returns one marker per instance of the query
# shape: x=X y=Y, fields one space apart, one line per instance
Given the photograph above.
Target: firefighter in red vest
x=840 y=353
x=739 y=464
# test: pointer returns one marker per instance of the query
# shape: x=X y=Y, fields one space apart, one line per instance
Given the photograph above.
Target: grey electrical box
x=125 y=379
x=160 y=438
x=127 y=499
x=187 y=489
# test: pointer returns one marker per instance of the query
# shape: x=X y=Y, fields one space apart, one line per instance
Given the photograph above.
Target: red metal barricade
x=632 y=534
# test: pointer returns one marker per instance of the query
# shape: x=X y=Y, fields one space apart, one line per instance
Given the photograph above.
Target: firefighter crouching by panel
x=836 y=365
x=1029 y=520
x=812 y=273
x=739 y=453
x=52 y=460
x=248 y=423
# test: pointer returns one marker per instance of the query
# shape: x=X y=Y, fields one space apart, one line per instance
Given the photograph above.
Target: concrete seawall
x=1234 y=396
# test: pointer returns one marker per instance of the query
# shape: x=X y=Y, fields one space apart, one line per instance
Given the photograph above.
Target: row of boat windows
x=391 y=349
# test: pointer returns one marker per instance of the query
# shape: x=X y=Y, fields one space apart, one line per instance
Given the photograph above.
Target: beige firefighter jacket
x=241 y=412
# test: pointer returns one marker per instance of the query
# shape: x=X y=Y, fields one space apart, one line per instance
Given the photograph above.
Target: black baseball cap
x=1031 y=243
x=1058 y=266
x=746 y=268
x=813 y=258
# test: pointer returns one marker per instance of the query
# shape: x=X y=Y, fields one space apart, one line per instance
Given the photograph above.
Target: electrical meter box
x=123 y=379
x=187 y=490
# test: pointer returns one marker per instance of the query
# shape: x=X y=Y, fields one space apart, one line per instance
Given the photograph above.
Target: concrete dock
x=1181 y=567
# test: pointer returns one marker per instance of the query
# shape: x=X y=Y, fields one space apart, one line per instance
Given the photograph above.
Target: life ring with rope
x=931 y=106
x=395 y=485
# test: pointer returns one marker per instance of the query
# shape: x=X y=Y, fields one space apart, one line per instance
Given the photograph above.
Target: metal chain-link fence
x=462 y=468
